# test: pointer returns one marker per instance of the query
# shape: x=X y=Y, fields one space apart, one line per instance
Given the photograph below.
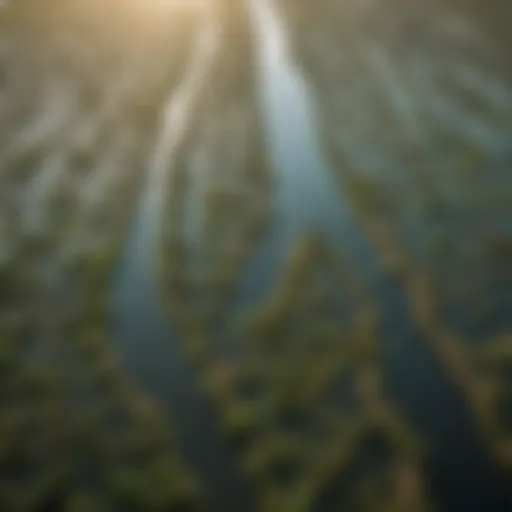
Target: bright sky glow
x=171 y=4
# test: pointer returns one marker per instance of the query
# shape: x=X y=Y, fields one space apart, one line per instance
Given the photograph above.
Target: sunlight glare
x=170 y=4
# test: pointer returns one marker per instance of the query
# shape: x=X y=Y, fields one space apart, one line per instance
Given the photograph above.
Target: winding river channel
x=307 y=201
x=149 y=346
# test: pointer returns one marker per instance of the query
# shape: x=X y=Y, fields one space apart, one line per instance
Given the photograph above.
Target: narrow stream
x=308 y=200
x=150 y=349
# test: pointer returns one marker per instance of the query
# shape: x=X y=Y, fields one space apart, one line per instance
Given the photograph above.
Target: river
x=307 y=200
x=149 y=347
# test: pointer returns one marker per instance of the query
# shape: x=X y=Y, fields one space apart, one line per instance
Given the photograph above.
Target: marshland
x=255 y=255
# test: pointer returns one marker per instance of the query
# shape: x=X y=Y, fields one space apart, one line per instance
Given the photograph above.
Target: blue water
x=151 y=353
x=308 y=200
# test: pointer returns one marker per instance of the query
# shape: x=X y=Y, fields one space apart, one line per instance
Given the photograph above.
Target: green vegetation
x=434 y=204
x=74 y=433
x=295 y=383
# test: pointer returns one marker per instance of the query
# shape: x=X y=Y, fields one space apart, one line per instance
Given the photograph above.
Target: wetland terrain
x=255 y=255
